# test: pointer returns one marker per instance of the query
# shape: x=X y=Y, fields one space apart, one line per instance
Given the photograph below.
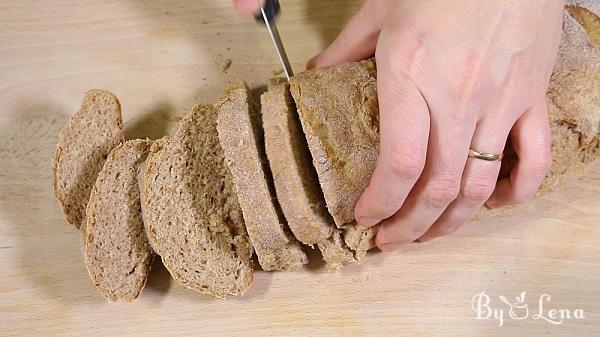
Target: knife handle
x=271 y=9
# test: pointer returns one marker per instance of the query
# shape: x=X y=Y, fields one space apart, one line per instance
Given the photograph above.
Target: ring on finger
x=485 y=156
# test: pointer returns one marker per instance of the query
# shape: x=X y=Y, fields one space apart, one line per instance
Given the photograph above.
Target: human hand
x=452 y=75
x=247 y=7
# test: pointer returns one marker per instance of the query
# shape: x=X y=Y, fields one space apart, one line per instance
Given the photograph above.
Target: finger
x=531 y=141
x=247 y=7
x=478 y=180
x=357 y=40
x=438 y=186
x=404 y=129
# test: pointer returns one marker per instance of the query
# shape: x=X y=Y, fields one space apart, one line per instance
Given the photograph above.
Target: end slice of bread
x=117 y=253
x=239 y=128
x=191 y=212
x=83 y=146
x=294 y=176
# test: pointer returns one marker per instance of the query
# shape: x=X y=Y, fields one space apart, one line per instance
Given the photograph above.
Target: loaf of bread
x=83 y=146
x=192 y=215
x=240 y=134
x=339 y=113
x=574 y=94
x=117 y=253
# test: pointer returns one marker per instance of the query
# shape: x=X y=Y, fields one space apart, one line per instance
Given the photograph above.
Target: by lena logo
x=518 y=310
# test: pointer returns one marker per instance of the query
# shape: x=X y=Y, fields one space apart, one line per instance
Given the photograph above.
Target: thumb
x=247 y=7
x=357 y=40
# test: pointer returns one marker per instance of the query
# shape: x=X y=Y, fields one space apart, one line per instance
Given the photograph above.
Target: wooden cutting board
x=158 y=57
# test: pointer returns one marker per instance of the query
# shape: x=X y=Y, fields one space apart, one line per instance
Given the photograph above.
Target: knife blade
x=267 y=15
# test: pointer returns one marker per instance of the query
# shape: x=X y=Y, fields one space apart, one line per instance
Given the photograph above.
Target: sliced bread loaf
x=294 y=176
x=117 y=253
x=240 y=134
x=191 y=212
x=82 y=148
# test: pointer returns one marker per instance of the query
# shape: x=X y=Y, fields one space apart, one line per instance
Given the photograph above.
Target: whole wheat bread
x=294 y=176
x=192 y=215
x=335 y=251
x=239 y=128
x=83 y=145
x=340 y=118
x=574 y=94
x=117 y=253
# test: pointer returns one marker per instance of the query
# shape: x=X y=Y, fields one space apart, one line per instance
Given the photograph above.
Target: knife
x=267 y=15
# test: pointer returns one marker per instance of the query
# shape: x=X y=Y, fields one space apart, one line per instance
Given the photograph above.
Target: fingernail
x=311 y=63
x=425 y=238
x=388 y=247
x=368 y=222
x=492 y=205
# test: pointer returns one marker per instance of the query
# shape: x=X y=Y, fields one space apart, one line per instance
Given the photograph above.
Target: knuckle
x=406 y=53
x=477 y=189
x=470 y=70
x=411 y=234
x=383 y=210
x=442 y=191
x=405 y=164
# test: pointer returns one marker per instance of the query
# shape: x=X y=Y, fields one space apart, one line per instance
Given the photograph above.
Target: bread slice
x=83 y=145
x=191 y=212
x=117 y=253
x=340 y=118
x=239 y=127
x=294 y=176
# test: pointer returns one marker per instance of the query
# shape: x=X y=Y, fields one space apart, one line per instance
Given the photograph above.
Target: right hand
x=247 y=7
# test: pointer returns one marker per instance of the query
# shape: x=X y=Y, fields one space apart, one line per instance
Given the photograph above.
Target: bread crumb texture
x=192 y=214
x=83 y=146
x=117 y=253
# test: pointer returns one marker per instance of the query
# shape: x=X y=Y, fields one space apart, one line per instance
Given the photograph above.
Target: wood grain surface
x=159 y=58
